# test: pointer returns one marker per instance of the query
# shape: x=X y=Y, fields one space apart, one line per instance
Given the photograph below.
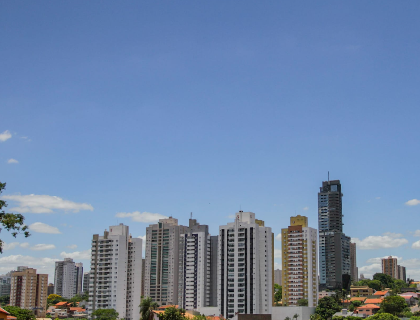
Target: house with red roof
x=3 y=314
x=382 y=294
x=368 y=309
x=376 y=301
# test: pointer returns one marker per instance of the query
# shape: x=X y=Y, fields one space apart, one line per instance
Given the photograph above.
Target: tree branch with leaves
x=12 y=222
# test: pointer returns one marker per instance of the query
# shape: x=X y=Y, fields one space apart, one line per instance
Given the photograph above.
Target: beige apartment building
x=299 y=259
x=390 y=267
x=29 y=290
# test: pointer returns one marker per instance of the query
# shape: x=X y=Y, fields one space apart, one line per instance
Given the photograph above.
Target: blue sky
x=208 y=107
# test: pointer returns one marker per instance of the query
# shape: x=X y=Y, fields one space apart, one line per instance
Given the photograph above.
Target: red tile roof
x=11 y=318
x=3 y=311
x=380 y=293
x=369 y=306
x=374 y=301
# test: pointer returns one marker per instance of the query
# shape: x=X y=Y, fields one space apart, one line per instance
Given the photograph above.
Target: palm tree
x=295 y=316
x=146 y=307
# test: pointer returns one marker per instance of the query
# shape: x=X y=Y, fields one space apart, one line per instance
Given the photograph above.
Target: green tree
x=393 y=305
x=287 y=318
x=327 y=307
x=4 y=300
x=375 y=284
x=398 y=285
x=105 y=314
x=200 y=317
x=302 y=302
x=354 y=305
x=386 y=280
x=278 y=293
x=383 y=316
x=11 y=221
x=20 y=314
x=315 y=316
x=172 y=313
x=146 y=307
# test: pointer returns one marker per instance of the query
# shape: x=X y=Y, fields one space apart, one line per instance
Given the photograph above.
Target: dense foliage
x=383 y=316
x=394 y=305
x=326 y=308
x=4 y=300
x=173 y=314
x=146 y=307
x=302 y=302
x=105 y=314
x=11 y=221
x=278 y=293
x=20 y=314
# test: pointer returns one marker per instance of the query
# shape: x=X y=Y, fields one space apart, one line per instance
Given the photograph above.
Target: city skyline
x=137 y=111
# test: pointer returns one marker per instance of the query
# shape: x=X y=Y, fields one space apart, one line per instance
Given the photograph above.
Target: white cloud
x=388 y=240
x=231 y=216
x=72 y=246
x=43 y=265
x=13 y=245
x=42 y=247
x=377 y=198
x=6 y=135
x=11 y=160
x=379 y=259
x=277 y=266
x=33 y=203
x=416 y=233
x=43 y=228
x=138 y=216
x=77 y=255
x=306 y=208
x=277 y=253
x=416 y=245
x=278 y=237
x=369 y=271
x=412 y=202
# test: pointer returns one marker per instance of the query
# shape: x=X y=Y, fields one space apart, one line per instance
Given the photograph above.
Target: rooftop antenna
x=191 y=216
x=328 y=176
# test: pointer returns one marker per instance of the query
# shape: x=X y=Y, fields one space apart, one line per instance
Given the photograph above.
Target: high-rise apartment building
x=65 y=281
x=161 y=275
x=50 y=288
x=299 y=259
x=86 y=282
x=245 y=266
x=78 y=277
x=334 y=245
x=29 y=290
x=195 y=265
x=115 y=275
x=277 y=277
x=5 y=283
x=402 y=273
x=354 y=271
x=390 y=267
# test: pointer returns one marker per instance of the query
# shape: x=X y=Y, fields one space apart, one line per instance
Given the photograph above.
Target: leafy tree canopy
x=278 y=292
x=4 y=300
x=105 y=314
x=393 y=305
x=20 y=314
x=12 y=222
x=172 y=314
x=386 y=280
x=327 y=307
x=383 y=316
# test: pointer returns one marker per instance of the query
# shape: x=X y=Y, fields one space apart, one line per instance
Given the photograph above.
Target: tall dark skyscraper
x=334 y=245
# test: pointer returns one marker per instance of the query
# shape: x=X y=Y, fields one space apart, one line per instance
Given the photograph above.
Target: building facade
x=402 y=273
x=277 y=277
x=334 y=245
x=50 y=288
x=161 y=275
x=354 y=271
x=5 y=284
x=299 y=259
x=65 y=278
x=245 y=267
x=390 y=267
x=78 y=277
x=86 y=282
x=115 y=276
x=29 y=290
x=195 y=265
